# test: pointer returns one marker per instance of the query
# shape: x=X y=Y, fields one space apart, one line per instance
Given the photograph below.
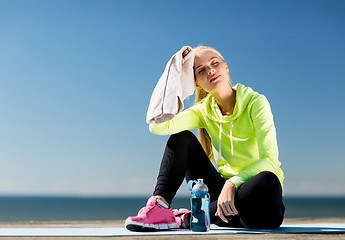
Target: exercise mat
x=84 y=232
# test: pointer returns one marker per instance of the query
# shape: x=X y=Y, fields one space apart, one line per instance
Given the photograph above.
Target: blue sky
x=76 y=78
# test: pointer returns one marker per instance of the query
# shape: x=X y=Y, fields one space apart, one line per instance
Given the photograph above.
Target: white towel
x=176 y=83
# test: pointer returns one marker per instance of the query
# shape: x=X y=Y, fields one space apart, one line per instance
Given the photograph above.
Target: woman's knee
x=262 y=205
x=182 y=138
x=265 y=181
x=270 y=181
x=268 y=176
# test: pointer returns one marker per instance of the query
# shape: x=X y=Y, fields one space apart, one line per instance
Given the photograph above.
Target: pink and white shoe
x=182 y=217
x=152 y=217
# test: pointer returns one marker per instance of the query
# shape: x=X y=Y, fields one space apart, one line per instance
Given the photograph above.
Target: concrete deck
x=116 y=223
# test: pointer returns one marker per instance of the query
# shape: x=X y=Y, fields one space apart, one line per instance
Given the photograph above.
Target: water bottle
x=200 y=203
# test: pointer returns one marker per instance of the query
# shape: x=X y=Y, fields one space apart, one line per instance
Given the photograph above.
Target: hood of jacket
x=243 y=97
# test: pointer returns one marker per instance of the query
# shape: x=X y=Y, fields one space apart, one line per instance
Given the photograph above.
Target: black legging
x=258 y=201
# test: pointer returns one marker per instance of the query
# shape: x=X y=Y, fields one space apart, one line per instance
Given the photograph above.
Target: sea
x=49 y=208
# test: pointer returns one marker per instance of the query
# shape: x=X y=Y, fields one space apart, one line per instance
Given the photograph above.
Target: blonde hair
x=200 y=95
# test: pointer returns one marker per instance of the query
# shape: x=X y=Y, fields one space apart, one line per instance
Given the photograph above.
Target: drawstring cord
x=231 y=143
x=220 y=141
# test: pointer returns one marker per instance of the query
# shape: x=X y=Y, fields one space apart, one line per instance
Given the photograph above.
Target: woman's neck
x=226 y=99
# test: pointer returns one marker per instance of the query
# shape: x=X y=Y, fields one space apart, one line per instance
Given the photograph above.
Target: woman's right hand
x=184 y=54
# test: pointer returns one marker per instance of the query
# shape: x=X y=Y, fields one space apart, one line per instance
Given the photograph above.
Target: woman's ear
x=227 y=67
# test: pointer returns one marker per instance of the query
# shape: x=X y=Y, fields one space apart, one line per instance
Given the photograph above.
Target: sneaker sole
x=142 y=227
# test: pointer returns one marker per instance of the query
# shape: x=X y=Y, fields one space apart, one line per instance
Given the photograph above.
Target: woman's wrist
x=229 y=182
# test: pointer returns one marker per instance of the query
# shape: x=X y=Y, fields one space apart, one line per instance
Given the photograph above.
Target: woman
x=236 y=129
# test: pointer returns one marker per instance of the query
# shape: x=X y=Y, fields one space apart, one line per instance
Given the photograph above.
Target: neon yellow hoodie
x=244 y=143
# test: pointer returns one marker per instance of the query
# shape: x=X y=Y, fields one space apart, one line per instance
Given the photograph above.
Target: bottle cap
x=200 y=186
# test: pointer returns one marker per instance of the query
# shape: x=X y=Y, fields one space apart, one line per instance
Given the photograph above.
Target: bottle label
x=194 y=220
x=204 y=204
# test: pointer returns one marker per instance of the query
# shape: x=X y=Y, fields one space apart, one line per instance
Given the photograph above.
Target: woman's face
x=210 y=70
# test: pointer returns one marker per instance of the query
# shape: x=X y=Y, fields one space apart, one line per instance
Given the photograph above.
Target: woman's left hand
x=226 y=201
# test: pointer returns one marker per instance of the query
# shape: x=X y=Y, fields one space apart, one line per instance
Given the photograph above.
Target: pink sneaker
x=152 y=217
x=182 y=217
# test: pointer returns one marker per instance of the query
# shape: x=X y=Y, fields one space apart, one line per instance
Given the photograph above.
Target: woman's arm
x=226 y=201
x=268 y=157
x=266 y=139
x=186 y=120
